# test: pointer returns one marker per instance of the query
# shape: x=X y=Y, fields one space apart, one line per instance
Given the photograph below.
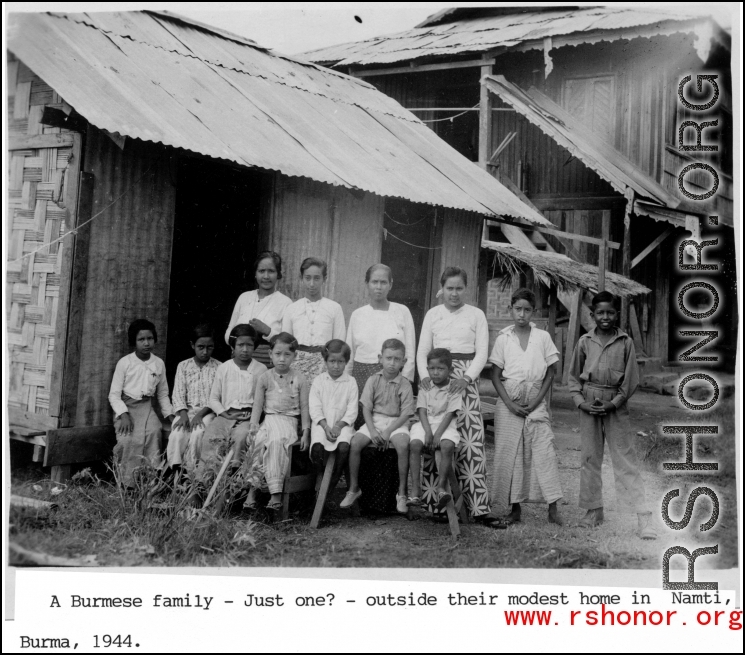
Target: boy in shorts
x=437 y=408
x=387 y=403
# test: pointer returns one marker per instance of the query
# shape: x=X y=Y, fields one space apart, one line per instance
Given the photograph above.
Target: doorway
x=215 y=242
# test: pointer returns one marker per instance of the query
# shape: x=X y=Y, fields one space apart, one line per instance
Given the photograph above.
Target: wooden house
x=576 y=110
x=152 y=157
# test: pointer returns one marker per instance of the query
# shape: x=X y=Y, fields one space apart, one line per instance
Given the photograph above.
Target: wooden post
x=602 y=265
x=485 y=117
x=323 y=491
x=572 y=334
x=553 y=296
x=626 y=254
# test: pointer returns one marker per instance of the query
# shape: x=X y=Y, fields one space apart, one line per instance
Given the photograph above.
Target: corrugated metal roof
x=521 y=28
x=164 y=79
x=591 y=149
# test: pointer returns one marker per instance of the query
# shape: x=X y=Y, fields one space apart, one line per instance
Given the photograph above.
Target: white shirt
x=463 y=331
x=333 y=400
x=138 y=378
x=369 y=328
x=234 y=387
x=530 y=364
x=268 y=310
x=314 y=323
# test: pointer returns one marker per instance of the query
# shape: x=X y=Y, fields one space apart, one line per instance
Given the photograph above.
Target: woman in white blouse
x=371 y=325
x=264 y=307
x=462 y=329
x=313 y=320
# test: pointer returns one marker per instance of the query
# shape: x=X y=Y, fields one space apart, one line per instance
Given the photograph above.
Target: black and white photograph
x=404 y=286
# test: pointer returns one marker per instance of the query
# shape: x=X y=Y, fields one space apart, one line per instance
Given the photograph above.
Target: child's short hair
x=453 y=271
x=136 y=326
x=242 y=330
x=201 y=331
x=603 y=296
x=286 y=338
x=314 y=261
x=523 y=293
x=378 y=267
x=441 y=355
x=274 y=256
x=337 y=347
x=393 y=344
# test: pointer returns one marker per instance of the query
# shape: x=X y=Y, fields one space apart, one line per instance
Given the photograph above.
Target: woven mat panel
x=35 y=187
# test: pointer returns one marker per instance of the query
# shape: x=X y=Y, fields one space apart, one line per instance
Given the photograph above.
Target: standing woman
x=462 y=329
x=371 y=325
x=313 y=320
x=264 y=307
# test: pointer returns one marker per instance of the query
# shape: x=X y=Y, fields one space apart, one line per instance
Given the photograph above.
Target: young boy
x=437 y=408
x=602 y=377
x=387 y=403
x=232 y=398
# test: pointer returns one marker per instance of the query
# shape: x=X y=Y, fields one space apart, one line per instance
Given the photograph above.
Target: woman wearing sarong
x=369 y=327
x=264 y=307
x=526 y=468
x=462 y=329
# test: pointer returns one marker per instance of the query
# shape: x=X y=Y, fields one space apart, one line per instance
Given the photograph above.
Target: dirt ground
x=393 y=541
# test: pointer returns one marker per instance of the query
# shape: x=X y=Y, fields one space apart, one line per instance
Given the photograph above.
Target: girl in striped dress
x=282 y=394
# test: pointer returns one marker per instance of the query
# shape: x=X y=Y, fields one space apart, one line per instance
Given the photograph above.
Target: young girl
x=525 y=465
x=282 y=394
x=333 y=409
x=232 y=400
x=191 y=396
x=313 y=319
x=137 y=378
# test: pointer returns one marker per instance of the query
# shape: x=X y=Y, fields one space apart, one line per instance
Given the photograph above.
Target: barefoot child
x=333 y=410
x=387 y=403
x=137 y=378
x=602 y=377
x=437 y=407
x=282 y=394
x=191 y=396
x=526 y=468
x=232 y=400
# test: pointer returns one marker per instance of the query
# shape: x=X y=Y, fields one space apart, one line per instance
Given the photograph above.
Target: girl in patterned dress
x=282 y=394
x=313 y=320
x=191 y=396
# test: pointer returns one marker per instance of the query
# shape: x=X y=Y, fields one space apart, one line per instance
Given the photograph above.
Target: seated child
x=603 y=376
x=333 y=410
x=232 y=400
x=137 y=378
x=437 y=408
x=282 y=394
x=387 y=403
x=191 y=396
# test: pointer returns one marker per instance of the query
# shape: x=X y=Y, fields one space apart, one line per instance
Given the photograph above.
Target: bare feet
x=553 y=514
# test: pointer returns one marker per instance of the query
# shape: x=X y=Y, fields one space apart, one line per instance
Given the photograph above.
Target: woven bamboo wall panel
x=36 y=216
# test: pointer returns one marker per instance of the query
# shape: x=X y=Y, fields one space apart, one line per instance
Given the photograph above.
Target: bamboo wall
x=42 y=181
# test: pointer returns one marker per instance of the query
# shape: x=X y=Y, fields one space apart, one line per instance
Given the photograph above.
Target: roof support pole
x=602 y=259
x=485 y=123
x=626 y=254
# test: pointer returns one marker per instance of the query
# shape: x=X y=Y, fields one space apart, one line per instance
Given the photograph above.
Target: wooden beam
x=485 y=118
x=572 y=335
x=626 y=263
x=77 y=445
x=423 y=68
x=505 y=142
x=30 y=421
x=550 y=202
x=602 y=258
x=660 y=213
x=636 y=333
x=614 y=245
x=41 y=141
x=655 y=243
x=455 y=109
x=553 y=301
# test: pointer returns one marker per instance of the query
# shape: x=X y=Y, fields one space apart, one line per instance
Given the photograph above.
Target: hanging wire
x=450 y=118
x=96 y=215
x=393 y=220
x=387 y=233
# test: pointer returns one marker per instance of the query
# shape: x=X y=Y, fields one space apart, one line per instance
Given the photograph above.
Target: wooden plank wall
x=311 y=219
x=461 y=246
x=40 y=208
x=129 y=263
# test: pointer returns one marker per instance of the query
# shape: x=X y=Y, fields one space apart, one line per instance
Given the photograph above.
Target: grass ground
x=94 y=519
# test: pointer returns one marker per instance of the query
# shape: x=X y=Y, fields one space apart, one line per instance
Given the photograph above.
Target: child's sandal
x=274 y=505
x=414 y=501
